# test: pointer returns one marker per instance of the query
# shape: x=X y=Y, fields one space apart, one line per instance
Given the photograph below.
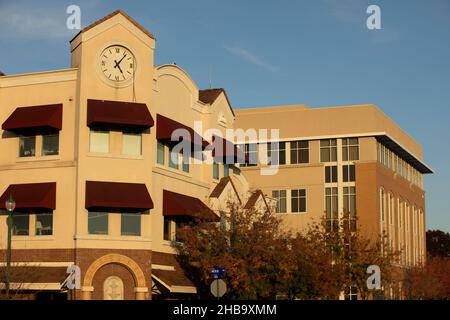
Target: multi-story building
x=89 y=156
x=343 y=160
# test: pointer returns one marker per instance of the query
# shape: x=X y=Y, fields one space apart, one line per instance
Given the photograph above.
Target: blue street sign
x=218 y=272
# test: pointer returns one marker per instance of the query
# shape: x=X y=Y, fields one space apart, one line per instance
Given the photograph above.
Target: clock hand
x=117 y=63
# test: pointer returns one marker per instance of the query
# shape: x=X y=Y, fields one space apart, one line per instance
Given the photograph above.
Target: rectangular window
x=281 y=198
x=350 y=149
x=99 y=141
x=185 y=162
x=50 y=144
x=178 y=226
x=331 y=208
x=27 y=146
x=97 y=222
x=132 y=144
x=173 y=158
x=160 y=152
x=20 y=224
x=331 y=174
x=251 y=154
x=44 y=224
x=276 y=153
x=350 y=201
x=215 y=170
x=226 y=170
x=130 y=224
x=299 y=152
x=328 y=150
x=348 y=173
x=298 y=200
x=167 y=229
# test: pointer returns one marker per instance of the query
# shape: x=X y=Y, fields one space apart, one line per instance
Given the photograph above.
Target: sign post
x=218 y=286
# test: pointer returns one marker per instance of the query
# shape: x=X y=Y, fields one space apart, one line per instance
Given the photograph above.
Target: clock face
x=117 y=63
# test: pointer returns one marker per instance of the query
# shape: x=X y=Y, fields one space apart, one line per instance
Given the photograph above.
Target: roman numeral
x=103 y=63
x=117 y=78
x=117 y=50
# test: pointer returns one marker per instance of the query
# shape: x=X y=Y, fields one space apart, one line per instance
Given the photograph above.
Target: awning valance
x=117 y=196
x=31 y=196
x=227 y=152
x=180 y=205
x=166 y=126
x=34 y=278
x=45 y=118
x=131 y=115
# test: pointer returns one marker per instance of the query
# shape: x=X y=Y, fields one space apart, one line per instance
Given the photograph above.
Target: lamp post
x=10 y=205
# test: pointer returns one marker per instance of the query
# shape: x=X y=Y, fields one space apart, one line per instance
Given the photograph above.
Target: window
x=382 y=206
x=251 y=152
x=160 y=150
x=348 y=173
x=350 y=149
x=21 y=224
x=167 y=229
x=351 y=293
x=276 y=153
x=215 y=170
x=132 y=144
x=331 y=208
x=226 y=170
x=178 y=226
x=173 y=158
x=298 y=200
x=44 y=224
x=130 y=224
x=185 y=162
x=50 y=144
x=98 y=222
x=27 y=146
x=99 y=141
x=331 y=174
x=299 y=152
x=328 y=150
x=280 y=196
x=350 y=206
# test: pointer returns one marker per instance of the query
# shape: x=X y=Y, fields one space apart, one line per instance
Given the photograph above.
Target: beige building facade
x=88 y=153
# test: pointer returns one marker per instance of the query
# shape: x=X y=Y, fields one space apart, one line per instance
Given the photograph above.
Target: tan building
x=337 y=160
x=87 y=156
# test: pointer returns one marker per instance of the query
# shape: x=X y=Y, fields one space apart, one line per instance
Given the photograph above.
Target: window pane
x=327 y=175
x=173 y=159
x=325 y=155
x=99 y=141
x=160 y=153
x=130 y=224
x=334 y=173
x=304 y=156
x=302 y=204
x=324 y=143
x=353 y=153
x=345 y=153
x=44 y=224
x=333 y=155
x=215 y=170
x=345 y=174
x=294 y=204
x=131 y=144
x=50 y=145
x=226 y=170
x=167 y=230
x=98 y=222
x=21 y=224
x=27 y=146
x=352 y=173
x=283 y=204
x=294 y=159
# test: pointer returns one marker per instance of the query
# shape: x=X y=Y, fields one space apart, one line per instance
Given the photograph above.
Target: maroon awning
x=117 y=196
x=118 y=114
x=35 y=119
x=227 y=152
x=165 y=127
x=31 y=196
x=180 y=205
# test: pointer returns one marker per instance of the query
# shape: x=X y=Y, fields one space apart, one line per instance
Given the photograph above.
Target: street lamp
x=10 y=205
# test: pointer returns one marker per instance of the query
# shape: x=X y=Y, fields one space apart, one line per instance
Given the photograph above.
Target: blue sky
x=314 y=52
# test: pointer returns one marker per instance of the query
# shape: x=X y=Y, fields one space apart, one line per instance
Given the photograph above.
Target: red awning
x=165 y=127
x=180 y=205
x=117 y=196
x=118 y=114
x=36 y=118
x=227 y=152
x=31 y=196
